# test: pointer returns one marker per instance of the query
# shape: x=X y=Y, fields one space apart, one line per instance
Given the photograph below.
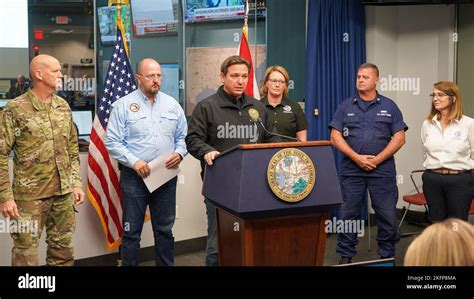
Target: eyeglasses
x=274 y=81
x=152 y=76
x=438 y=95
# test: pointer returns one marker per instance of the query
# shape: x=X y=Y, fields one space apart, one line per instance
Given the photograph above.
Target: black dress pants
x=448 y=195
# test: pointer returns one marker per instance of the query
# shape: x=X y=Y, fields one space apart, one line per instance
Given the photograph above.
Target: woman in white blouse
x=448 y=143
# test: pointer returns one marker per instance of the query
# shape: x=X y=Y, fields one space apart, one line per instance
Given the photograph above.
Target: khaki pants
x=57 y=213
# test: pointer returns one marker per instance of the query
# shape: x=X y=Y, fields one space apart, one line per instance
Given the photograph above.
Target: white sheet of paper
x=159 y=174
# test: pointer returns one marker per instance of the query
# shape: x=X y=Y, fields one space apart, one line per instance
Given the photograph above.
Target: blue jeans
x=212 y=258
x=162 y=203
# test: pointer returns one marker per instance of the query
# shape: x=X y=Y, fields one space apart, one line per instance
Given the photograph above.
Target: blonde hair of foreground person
x=446 y=243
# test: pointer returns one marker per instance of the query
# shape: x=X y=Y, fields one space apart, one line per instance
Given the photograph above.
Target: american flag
x=103 y=186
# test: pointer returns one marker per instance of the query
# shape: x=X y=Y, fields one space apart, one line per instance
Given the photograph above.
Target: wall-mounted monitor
x=151 y=17
x=14 y=12
x=108 y=26
x=83 y=121
x=5 y=85
x=215 y=10
x=3 y=103
x=14 y=35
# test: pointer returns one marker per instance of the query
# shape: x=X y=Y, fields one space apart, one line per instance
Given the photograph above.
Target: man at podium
x=222 y=121
x=368 y=129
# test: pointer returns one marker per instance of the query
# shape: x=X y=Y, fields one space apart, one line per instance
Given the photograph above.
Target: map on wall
x=170 y=81
x=203 y=68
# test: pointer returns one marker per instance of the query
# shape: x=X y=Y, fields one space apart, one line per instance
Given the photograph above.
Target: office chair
x=413 y=199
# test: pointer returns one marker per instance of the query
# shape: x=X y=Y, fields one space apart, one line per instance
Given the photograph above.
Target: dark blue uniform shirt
x=368 y=129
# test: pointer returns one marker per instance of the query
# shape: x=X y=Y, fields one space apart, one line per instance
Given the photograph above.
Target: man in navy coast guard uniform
x=368 y=129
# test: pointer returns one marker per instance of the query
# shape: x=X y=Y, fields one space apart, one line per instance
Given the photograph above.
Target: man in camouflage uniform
x=38 y=127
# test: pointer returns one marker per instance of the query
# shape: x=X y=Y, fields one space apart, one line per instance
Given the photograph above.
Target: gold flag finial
x=245 y=28
x=119 y=2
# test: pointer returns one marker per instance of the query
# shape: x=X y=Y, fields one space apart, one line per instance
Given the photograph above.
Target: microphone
x=255 y=117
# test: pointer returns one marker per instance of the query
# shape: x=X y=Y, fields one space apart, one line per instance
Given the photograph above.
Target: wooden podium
x=255 y=227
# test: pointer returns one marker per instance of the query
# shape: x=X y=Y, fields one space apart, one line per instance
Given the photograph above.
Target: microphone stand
x=272 y=133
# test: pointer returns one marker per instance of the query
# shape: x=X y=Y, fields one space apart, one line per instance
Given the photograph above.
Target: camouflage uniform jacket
x=46 y=153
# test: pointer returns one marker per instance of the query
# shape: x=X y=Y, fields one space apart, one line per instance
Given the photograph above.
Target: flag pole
x=246 y=30
x=119 y=23
x=244 y=51
x=246 y=18
x=103 y=180
x=255 y=39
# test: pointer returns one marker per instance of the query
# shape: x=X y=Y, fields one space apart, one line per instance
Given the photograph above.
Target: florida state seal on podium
x=272 y=201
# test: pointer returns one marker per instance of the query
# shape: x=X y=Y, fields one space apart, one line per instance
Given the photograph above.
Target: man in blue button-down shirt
x=142 y=126
x=368 y=129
